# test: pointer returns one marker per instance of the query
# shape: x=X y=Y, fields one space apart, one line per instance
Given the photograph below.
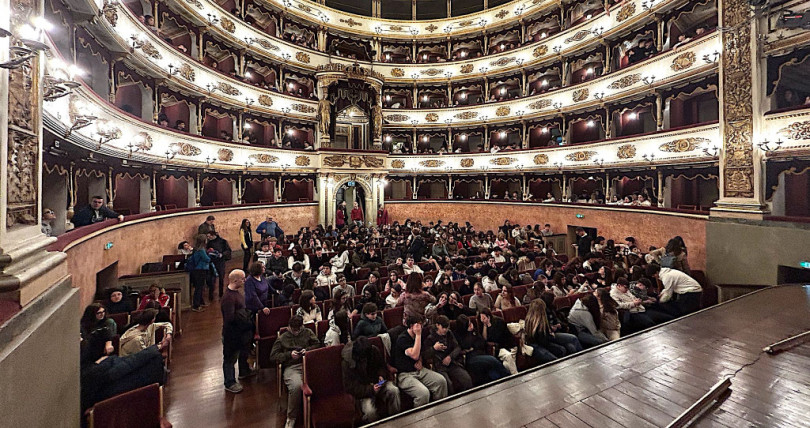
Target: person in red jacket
x=155 y=295
x=382 y=216
x=340 y=216
x=357 y=214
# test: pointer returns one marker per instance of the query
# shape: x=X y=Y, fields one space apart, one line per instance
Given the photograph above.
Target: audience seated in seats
x=494 y=330
x=326 y=278
x=370 y=324
x=95 y=323
x=447 y=356
x=309 y=311
x=343 y=286
x=289 y=350
x=142 y=335
x=609 y=325
x=506 y=299
x=480 y=299
x=155 y=294
x=339 y=329
x=538 y=334
x=296 y=277
x=365 y=377
x=369 y=295
x=341 y=302
x=482 y=367
x=418 y=382
x=586 y=317
x=116 y=304
x=680 y=293
x=451 y=305
x=636 y=317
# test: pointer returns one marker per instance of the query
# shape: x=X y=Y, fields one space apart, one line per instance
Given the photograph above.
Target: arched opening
x=351 y=192
x=352 y=130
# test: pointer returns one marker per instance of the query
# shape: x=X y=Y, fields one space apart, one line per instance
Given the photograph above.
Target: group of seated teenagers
x=441 y=347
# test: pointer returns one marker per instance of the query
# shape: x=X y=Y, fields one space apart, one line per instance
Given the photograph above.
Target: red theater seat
x=326 y=404
x=139 y=408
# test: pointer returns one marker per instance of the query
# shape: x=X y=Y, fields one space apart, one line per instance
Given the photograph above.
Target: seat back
x=519 y=292
x=121 y=320
x=321 y=327
x=322 y=371
x=268 y=325
x=515 y=314
x=393 y=317
x=139 y=408
x=173 y=262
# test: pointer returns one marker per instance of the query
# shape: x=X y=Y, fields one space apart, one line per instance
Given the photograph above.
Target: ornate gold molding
x=797 y=131
x=626 y=151
x=225 y=155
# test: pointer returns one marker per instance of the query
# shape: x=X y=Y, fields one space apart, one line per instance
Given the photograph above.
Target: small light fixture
x=589 y=70
x=770 y=147
x=544 y=130
x=632 y=116
x=590 y=124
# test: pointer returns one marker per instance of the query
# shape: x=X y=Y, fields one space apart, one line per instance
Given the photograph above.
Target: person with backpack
x=220 y=252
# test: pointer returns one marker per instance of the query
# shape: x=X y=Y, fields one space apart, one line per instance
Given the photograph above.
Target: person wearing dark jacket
x=116 y=303
x=94 y=212
x=365 y=378
x=583 y=244
x=447 y=354
x=237 y=332
x=370 y=324
x=482 y=367
x=289 y=350
x=417 y=248
x=220 y=252
x=207 y=226
x=494 y=330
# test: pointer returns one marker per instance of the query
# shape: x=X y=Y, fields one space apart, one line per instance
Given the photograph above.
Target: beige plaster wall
x=147 y=240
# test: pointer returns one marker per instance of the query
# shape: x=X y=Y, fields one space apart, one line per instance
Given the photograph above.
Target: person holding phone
x=289 y=350
x=365 y=378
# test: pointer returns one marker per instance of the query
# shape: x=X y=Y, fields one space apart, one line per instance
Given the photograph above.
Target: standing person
x=269 y=228
x=237 y=332
x=257 y=290
x=415 y=380
x=583 y=244
x=207 y=226
x=382 y=216
x=289 y=349
x=340 y=215
x=357 y=214
x=198 y=265
x=94 y=212
x=220 y=252
x=364 y=377
x=246 y=242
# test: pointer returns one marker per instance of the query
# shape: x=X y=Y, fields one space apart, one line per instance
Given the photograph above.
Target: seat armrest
x=305 y=389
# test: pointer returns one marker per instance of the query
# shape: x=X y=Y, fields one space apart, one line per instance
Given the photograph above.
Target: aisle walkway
x=195 y=396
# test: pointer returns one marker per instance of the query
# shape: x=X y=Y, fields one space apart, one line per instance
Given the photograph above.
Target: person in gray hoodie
x=585 y=316
x=370 y=323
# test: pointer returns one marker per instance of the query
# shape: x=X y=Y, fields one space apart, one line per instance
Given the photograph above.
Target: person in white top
x=680 y=294
x=326 y=277
x=410 y=267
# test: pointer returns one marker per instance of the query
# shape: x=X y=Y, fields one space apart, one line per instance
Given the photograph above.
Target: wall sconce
x=378 y=29
x=448 y=74
x=712 y=151
x=649 y=158
x=599 y=96
x=448 y=121
x=285 y=167
x=448 y=29
x=287 y=3
x=323 y=17
x=81 y=119
x=249 y=101
x=648 y=80
x=209 y=160
x=170 y=155
x=172 y=69
x=557 y=49
x=520 y=61
x=599 y=162
x=519 y=10
x=598 y=31
x=647 y=5
x=250 y=40
x=414 y=122
x=59 y=81
x=520 y=113
x=286 y=56
x=137 y=40
x=712 y=57
x=557 y=105
x=285 y=110
x=559 y=165
x=414 y=31
x=483 y=70
x=482 y=22
x=520 y=167
x=414 y=76
x=248 y=164
x=106 y=132
x=769 y=147
x=212 y=19
x=211 y=88
x=26 y=45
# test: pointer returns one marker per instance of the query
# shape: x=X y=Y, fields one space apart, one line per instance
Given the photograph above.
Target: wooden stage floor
x=649 y=379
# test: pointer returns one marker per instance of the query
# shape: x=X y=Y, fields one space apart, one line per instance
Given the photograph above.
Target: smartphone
x=380 y=383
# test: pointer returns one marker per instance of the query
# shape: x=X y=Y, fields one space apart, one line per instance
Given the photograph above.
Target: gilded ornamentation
x=683 y=145
x=350 y=22
x=228 y=89
x=466 y=115
x=431 y=28
x=683 y=61
x=196 y=3
x=185 y=149
x=144 y=142
x=503 y=161
x=540 y=104
x=580 y=156
x=304 y=7
x=431 y=163
x=540 y=159
x=186 y=72
x=581 y=95
x=466 y=23
x=502 y=111
x=540 y=51
x=395 y=28
x=626 y=81
x=302 y=161
x=500 y=62
x=335 y=161
x=373 y=162
x=397 y=72
x=110 y=13
x=467 y=162
x=466 y=68
x=303 y=108
x=431 y=117
x=355 y=161
x=502 y=14
x=626 y=11
x=23 y=157
x=626 y=151
x=228 y=25
x=266 y=100
x=267 y=45
x=225 y=155
x=149 y=49
x=797 y=131
x=397 y=117
x=397 y=164
x=263 y=158
x=431 y=72
x=578 y=36
x=302 y=57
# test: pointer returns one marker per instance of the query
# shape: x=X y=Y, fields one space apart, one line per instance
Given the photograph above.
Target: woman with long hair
x=537 y=332
x=246 y=242
x=586 y=317
x=482 y=367
x=341 y=302
x=308 y=309
x=198 y=265
x=502 y=241
x=506 y=299
x=94 y=322
x=297 y=255
x=610 y=325
x=338 y=333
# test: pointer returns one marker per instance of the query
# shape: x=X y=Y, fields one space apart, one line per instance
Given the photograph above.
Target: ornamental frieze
x=267 y=45
x=580 y=156
x=23 y=182
x=302 y=57
x=431 y=72
x=431 y=28
x=149 y=49
x=228 y=89
x=228 y=25
x=797 y=131
x=263 y=158
x=197 y=3
x=397 y=117
x=396 y=28
x=578 y=36
x=431 y=163
x=466 y=68
x=186 y=72
x=502 y=14
x=683 y=61
x=185 y=149
x=626 y=11
x=500 y=62
x=337 y=161
x=626 y=151
x=540 y=51
x=303 y=108
x=466 y=23
x=467 y=162
x=144 y=142
x=683 y=145
x=431 y=117
x=397 y=164
x=466 y=115
x=540 y=159
x=225 y=155
x=397 y=72
x=373 y=162
x=302 y=161
x=626 y=81
x=110 y=13
x=503 y=111
x=581 y=95
x=350 y=22
x=540 y=104
x=503 y=161
x=266 y=100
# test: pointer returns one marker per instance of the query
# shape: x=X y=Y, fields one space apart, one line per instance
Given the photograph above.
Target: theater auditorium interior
x=421 y=213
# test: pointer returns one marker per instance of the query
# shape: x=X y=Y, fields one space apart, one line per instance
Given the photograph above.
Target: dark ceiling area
x=402 y=9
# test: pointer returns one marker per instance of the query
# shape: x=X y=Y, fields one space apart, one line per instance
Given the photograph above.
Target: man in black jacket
x=494 y=330
x=447 y=360
x=220 y=252
x=94 y=212
x=365 y=378
x=583 y=244
x=237 y=333
x=417 y=248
